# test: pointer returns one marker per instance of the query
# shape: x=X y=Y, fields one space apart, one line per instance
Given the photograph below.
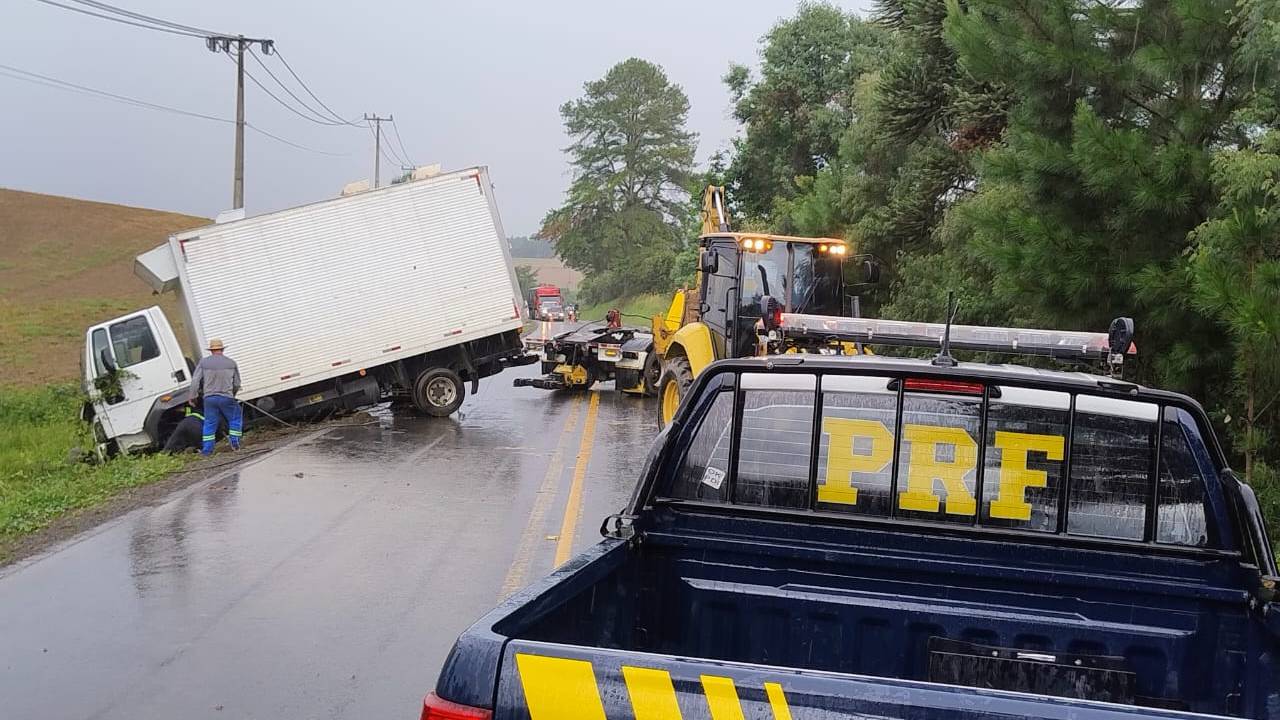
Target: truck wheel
x=677 y=376
x=438 y=392
x=652 y=374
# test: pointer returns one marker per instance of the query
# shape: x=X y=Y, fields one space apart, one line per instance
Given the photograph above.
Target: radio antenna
x=943 y=358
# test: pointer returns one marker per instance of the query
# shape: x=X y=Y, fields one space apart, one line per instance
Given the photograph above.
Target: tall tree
x=1083 y=210
x=796 y=113
x=623 y=220
x=1235 y=273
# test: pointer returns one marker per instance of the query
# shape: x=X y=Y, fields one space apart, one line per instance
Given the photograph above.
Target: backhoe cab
x=746 y=281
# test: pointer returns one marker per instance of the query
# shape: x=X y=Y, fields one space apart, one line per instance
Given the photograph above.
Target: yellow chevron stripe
x=653 y=696
x=722 y=698
x=778 y=701
x=559 y=688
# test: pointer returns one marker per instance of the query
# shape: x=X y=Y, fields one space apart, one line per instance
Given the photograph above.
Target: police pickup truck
x=818 y=536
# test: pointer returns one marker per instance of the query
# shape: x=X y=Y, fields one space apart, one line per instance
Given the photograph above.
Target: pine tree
x=1084 y=208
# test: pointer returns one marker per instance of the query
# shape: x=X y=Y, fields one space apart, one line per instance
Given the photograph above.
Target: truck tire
x=438 y=392
x=652 y=373
x=677 y=377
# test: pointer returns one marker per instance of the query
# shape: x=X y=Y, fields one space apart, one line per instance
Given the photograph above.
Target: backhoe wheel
x=438 y=392
x=677 y=376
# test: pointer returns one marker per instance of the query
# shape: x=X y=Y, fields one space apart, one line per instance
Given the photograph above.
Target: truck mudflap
x=547 y=681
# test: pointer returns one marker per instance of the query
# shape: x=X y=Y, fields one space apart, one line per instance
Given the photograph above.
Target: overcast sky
x=468 y=83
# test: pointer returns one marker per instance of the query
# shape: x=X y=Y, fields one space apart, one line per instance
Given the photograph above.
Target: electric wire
x=289 y=67
x=403 y=151
x=273 y=96
x=300 y=101
x=52 y=82
x=107 y=7
x=121 y=20
x=382 y=147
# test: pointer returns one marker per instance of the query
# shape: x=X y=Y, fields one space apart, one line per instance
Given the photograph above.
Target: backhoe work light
x=1065 y=344
x=756 y=245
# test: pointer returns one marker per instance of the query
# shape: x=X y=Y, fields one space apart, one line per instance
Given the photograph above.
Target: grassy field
x=64 y=265
x=39 y=480
x=636 y=310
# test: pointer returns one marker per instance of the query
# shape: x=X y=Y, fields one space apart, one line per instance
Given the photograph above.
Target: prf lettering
x=857 y=446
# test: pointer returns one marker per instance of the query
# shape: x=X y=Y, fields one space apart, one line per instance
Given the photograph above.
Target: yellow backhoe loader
x=745 y=282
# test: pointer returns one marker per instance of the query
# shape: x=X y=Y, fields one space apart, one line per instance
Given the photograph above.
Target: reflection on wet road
x=327 y=579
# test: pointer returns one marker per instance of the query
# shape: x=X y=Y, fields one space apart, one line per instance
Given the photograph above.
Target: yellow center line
x=573 y=508
x=518 y=573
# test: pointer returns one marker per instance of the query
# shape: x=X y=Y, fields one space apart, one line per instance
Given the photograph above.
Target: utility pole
x=377 y=142
x=222 y=43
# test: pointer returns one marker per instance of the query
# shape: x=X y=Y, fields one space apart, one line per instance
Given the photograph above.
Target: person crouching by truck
x=187 y=435
x=216 y=381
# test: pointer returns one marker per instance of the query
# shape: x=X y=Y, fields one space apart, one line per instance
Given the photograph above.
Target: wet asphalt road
x=327 y=579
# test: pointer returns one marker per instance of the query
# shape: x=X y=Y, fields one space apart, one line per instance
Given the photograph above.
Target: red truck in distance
x=546 y=303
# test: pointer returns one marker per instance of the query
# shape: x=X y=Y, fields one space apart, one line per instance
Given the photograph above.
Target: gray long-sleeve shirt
x=215 y=375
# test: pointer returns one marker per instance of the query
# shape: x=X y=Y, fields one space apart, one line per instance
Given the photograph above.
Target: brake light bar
x=1020 y=341
x=435 y=707
x=954 y=387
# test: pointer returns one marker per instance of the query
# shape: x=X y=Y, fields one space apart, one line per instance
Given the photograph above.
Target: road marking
x=518 y=573
x=573 y=508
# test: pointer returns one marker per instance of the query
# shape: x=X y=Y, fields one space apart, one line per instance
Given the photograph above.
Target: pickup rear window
x=875 y=446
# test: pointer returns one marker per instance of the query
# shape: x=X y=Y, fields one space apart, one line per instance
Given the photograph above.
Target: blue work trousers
x=217 y=408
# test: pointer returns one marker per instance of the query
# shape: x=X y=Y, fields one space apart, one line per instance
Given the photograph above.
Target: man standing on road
x=217 y=380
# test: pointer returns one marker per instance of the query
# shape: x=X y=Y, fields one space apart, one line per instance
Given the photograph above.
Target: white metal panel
x=326 y=289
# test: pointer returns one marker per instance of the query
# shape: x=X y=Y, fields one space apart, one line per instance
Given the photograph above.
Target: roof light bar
x=1049 y=343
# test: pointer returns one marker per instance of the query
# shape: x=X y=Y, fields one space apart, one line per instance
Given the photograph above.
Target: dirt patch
x=258 y=443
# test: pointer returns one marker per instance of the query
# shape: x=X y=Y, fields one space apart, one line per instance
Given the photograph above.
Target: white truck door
x=142 y=351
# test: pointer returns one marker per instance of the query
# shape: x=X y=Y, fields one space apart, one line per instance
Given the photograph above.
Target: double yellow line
x=518 y=573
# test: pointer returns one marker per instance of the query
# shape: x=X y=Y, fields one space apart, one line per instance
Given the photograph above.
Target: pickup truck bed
x=695 y=605
x=874 y=607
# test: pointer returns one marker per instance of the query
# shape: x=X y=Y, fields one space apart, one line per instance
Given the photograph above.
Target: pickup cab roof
x=1102 y=461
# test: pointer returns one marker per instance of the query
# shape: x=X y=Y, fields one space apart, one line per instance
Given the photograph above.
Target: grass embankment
x=39 y=481
x=636 y=310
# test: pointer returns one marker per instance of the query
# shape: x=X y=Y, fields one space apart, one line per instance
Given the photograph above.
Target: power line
x=52 y=82
x=106 y=7
x=119 y=19
x=395 y=155
x=396 y=127
x=321 y=118
x=308 y=89
x=391 y=159
x=285 y=105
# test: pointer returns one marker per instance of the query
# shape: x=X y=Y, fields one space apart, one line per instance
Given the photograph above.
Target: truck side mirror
x=107 y=362
x=710 y=262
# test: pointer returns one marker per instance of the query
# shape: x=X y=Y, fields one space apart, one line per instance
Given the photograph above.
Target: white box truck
x=402 y=292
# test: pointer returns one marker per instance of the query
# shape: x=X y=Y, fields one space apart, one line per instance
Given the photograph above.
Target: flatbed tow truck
x=819 y=536
x=577 y=359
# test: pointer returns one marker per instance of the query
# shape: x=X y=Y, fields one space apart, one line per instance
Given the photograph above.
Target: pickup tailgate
x=546 y=681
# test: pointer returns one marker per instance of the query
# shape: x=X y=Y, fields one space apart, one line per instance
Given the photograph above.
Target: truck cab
x=133 y=372
x=820 y=536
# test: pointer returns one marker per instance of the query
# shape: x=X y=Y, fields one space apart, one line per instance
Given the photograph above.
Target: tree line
x=1055 y=163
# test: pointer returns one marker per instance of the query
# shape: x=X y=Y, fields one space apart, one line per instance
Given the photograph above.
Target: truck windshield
x=796 y=274
x=1043 y=461
x=133 y=341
